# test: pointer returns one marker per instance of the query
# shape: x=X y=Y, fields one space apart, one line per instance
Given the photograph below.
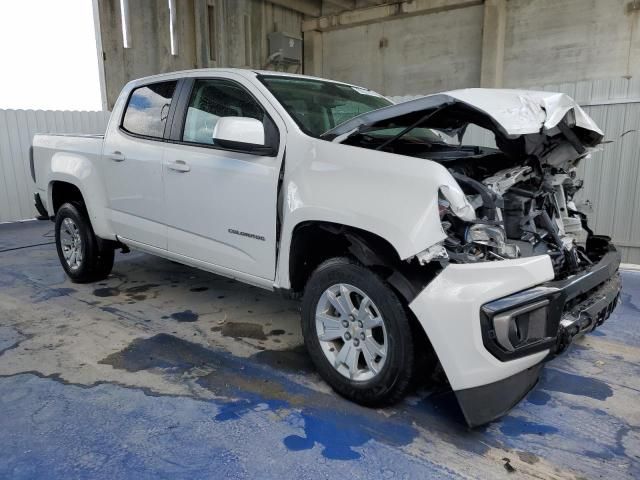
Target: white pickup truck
x=410 y=249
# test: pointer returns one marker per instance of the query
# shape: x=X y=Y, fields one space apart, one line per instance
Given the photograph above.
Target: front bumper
x=548 y=316
x=489 y=370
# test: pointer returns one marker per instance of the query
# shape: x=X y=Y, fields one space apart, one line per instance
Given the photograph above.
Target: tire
x=94 y=257
x=362 y=384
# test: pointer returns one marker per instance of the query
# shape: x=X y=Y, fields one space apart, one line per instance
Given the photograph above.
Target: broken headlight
x=492 y=236
x=472 y=241
x=467 y=238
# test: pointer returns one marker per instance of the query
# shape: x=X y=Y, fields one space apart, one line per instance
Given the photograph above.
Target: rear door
x=132 y=165
x=221 y=203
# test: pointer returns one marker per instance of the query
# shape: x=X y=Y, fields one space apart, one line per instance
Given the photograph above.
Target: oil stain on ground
x=141 y=288
x=295 y=359
x=243 y=330
x=184 y=316
x=106 y=292
x=199 y=289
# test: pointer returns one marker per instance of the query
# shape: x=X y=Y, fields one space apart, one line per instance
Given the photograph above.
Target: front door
x=221 y=204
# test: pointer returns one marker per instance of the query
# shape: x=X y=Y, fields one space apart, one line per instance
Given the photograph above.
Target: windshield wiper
x=406 y=130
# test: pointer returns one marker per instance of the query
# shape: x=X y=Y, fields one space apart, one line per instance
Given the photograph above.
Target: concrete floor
x=163 y=371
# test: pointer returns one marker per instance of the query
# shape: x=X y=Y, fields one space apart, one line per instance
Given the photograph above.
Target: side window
x=212 y=99
x=148 y=108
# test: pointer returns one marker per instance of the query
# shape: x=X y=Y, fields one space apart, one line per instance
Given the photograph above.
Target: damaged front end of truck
x=519 y=202
x=522 y=192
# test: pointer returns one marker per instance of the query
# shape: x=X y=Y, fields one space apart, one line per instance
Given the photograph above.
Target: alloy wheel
x=351 y=331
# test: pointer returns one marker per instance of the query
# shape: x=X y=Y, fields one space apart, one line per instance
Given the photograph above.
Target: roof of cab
x=245 y=72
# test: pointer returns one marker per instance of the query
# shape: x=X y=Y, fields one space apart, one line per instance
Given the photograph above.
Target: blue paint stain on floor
x=236 y=409
x=9 y=338
x=515 y=426
x=52 y=430
x=340 y=433
x=558 y=381
x=337 y=435
x=538 y=397
x=337 y=425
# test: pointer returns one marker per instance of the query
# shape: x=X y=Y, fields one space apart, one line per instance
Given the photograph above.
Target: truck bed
x=51 y=151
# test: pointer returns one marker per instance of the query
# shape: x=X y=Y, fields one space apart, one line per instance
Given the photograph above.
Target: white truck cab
x=407 y=247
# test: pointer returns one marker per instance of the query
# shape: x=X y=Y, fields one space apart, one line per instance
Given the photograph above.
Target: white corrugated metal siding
x=17 y=128
x=612 y=175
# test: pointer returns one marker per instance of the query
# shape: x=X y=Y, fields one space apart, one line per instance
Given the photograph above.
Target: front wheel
x=84 y=257
x=357 y=333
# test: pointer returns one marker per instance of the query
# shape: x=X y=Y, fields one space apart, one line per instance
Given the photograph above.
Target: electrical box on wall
x=285 y=46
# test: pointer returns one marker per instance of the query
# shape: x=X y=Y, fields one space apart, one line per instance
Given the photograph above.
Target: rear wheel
x=358 y=333
x=84 y=257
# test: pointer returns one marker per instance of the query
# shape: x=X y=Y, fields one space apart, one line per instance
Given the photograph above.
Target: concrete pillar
x=201 y=22
x=312 y=53
x=100 y=53
x=493 y=34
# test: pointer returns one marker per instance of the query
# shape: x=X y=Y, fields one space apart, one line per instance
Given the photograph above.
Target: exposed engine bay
x=522 y=211
x=522 y=192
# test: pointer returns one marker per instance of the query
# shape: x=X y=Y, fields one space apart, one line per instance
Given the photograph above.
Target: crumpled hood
x=521 y=112
x=510 y=114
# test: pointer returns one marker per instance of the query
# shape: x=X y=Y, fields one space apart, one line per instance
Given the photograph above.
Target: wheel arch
x=313 y=242
x=63 y=188
x=61 y=192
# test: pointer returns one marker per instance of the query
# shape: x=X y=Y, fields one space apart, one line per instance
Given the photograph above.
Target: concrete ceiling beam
x=373 y=14
x=313 y=8
x=343 y=4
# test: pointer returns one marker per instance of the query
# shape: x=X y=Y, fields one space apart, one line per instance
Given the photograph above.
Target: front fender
x=390 y=195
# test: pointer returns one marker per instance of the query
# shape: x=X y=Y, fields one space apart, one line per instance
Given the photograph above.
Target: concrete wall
x=408 y=54
x=424 y=46
x=240 y=30
x=150 y=52
x=397 y=48
x=551 y=41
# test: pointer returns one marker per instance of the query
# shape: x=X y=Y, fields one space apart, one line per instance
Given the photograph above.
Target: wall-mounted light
x=126 y=23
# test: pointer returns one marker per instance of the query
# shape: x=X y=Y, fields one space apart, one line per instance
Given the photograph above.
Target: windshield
x=318 y=106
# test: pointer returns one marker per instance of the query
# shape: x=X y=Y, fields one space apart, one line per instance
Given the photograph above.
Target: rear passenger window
x=148 y=108
x=212 y=99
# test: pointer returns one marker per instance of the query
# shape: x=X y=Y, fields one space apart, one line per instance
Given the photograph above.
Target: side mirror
x=241 y=133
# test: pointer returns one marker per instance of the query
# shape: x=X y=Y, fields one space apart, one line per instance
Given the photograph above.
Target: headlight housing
x=492 y=236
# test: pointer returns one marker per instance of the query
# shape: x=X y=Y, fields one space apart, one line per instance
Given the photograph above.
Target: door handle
x=116 y=156
x=179 y=166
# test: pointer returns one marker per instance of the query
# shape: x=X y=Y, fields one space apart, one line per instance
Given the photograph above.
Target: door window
x=148 y=108
x=212 y=99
